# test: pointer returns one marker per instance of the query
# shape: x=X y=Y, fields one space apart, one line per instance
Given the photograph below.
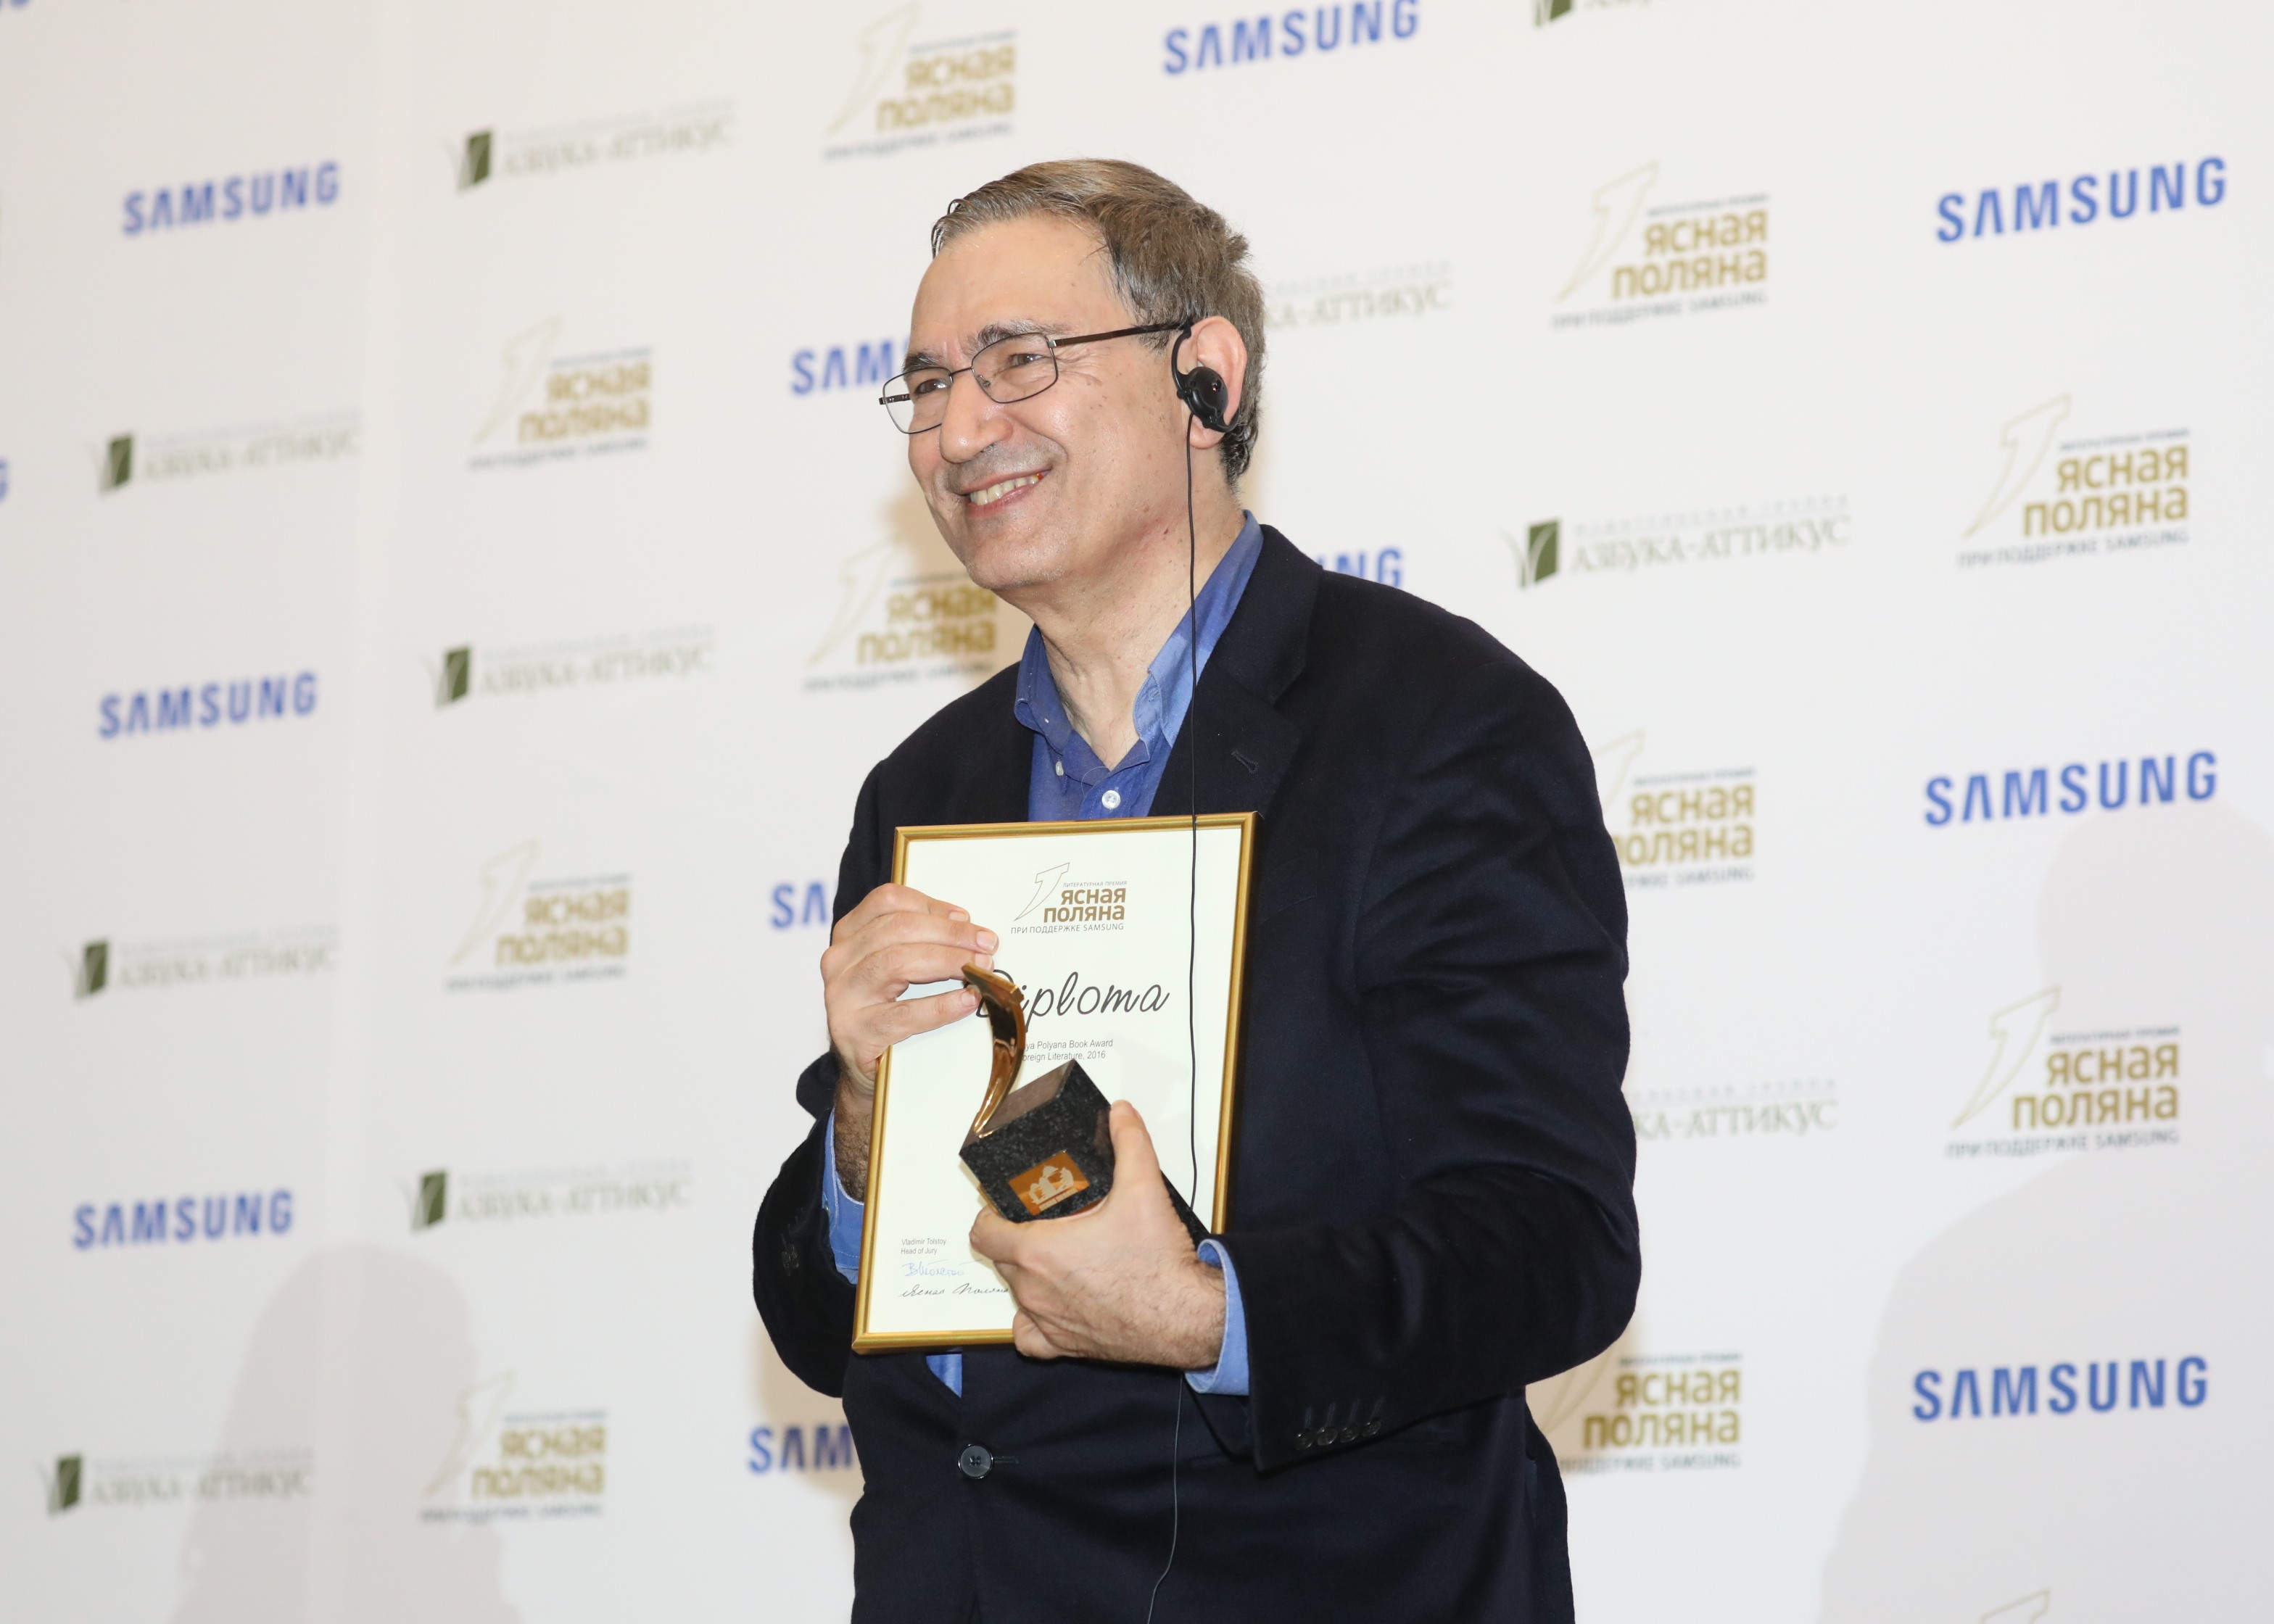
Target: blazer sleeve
x=806 y=1303
x=1488 y=958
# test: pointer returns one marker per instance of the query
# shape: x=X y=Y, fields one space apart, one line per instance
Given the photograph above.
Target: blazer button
x=788 y=1256
x=974 y=1462
x=1350 y=1435
x=1303 y=1440
x=1369 y=1429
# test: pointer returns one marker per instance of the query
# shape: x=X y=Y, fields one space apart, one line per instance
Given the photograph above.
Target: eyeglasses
x=1017 y=368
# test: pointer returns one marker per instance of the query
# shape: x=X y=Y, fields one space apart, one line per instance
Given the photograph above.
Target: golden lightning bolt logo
x=859 y=578
x=2006 y=1027
x=1046 y=884
x=2027 y=439
x=479 y=1409
x=524 y=358
x=1612 y=763
x=1617 y=204
x=501 y=878
x=881 y=42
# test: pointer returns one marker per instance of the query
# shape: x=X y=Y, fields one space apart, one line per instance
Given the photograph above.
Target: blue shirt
x=1066 y=782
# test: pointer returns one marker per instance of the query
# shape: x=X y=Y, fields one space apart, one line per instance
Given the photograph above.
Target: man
x=1432 y=1188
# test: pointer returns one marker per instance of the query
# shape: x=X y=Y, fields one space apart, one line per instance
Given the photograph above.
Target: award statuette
x=1045 y=1150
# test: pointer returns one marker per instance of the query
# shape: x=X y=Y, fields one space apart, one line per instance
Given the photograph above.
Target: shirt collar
x=1166 y=693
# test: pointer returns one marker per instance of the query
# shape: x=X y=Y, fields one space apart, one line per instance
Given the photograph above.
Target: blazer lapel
x=989 y=785
x=1234 y=731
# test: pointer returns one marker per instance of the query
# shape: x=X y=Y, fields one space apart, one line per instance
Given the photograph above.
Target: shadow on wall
x=363 y=1355
x=2000 y=1499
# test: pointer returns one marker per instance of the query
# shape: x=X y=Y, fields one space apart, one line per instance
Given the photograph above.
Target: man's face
x=1044 y=490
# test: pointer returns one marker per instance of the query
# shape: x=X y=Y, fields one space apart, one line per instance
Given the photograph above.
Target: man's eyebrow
x=985 y=336
x=994 y=330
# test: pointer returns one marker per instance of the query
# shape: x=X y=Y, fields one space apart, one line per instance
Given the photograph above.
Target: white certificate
x=1127 y=937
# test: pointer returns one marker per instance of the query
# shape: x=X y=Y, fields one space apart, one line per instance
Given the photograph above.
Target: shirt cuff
x=847 y=1215
x=1230 y=1376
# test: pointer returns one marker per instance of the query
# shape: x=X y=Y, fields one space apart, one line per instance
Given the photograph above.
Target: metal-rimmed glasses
x=1015 y=368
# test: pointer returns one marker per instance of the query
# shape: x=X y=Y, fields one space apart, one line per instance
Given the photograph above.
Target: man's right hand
x=895 y=939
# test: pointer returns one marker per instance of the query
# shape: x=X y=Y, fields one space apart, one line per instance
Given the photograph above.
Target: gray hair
x=1172 y=256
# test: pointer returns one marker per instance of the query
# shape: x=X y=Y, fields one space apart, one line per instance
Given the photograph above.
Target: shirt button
x=1110 y=800
x=1060 y=766
x=974 y=1462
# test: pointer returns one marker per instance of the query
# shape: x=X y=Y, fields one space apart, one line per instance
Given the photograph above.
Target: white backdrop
x=453 y=576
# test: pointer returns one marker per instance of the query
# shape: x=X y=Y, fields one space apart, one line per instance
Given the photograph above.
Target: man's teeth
x=997 y=492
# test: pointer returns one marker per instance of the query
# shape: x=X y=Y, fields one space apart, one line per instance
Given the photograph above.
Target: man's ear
x=1216 y=344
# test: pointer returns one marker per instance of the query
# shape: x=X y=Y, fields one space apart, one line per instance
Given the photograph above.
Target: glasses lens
x=917 y=401
x=1011 y=369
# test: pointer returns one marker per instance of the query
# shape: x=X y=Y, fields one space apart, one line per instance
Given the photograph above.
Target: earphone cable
x=1192 y=950
x=1176 y=1447
x=1193 y=802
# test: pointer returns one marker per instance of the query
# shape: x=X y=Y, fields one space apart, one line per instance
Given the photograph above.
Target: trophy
x=1044 y=1150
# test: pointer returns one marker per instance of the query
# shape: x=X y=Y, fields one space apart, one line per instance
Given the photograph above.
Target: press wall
x=453 y=576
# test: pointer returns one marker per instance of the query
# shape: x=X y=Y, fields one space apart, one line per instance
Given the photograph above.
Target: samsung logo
x=2012 y=1390
x=842 y=366
x=2038 y=791
x=236 y=197
x=832 y=1450
x=181 y=1220
x=1304 y=30
x=170 y=709
x=790 y=911
x=2040 y=206
x=1386 y=565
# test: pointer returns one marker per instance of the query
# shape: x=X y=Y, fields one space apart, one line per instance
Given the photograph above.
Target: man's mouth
x=1001 y=488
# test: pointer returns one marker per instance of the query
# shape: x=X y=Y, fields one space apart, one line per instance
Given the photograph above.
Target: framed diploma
x=1118 y=978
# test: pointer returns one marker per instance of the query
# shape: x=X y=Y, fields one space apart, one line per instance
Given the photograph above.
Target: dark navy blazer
x=1432 y=1182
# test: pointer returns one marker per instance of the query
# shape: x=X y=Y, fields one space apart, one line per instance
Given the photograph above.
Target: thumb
x=1132 y=1146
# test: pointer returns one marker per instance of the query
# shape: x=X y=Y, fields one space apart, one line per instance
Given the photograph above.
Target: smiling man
x=1432 y=1182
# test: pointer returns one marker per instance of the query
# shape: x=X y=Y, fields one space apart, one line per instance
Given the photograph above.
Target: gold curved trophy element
x=1006 y=1014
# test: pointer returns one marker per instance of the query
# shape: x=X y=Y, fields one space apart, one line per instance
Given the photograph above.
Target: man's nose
x=973 y=423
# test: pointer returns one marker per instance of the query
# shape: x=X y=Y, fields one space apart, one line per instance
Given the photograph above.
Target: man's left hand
x=1120 y=1281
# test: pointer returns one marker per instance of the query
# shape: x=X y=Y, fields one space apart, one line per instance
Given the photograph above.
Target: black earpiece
x=1201 y=389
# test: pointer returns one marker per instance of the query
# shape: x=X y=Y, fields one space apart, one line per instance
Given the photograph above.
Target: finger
x=899 y=932
x=873 y=907
x=995 y=1238
x=885 y=902
x=888 y=931
x=1137 y=1171
x=1134 y=1155
x=868 y=1014
x=884 y=975
x=891 y=899
x=880 y=1026
x=909 y=925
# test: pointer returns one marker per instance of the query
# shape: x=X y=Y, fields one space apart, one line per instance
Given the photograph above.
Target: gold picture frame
x=1211 y=861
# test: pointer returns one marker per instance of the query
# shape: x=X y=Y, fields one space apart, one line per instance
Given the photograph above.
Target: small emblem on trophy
x=1046 y=1183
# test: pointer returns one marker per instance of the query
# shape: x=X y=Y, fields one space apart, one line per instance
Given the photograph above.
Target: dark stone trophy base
x=1048 y=1152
